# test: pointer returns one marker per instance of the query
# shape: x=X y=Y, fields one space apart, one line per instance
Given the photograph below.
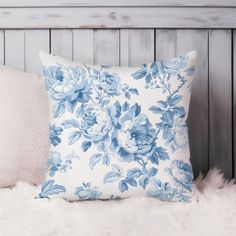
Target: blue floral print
x=56 y=163
x=50 y=188
x=133 y=142
x=67 y=86
x=54 y=133
x=87 y=192
x=182 y=174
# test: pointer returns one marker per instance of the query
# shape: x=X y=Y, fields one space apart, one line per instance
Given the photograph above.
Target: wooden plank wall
x=213 y=106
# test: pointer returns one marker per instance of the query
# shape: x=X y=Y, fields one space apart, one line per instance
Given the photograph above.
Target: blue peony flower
x=134 y=139
x=86 y=192
x=68 y=86
x=110 y=84
x=95 y=123
x=181 y=173
x=54 y=133
x=173 y=66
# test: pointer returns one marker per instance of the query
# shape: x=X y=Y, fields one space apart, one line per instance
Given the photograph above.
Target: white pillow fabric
x=23 y=127
x=118 y=131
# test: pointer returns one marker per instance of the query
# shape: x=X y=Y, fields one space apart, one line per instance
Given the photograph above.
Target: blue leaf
x=123 y=186
x=154 y=158
x=71 y=123
x=134 y=91
x=70 y=105
x=141 y=73
x=143 y=182
x=148 y=78
x=132 y=182
x=134 y=173
x=49 y=188
x=154 y=68
x=161 y=153
x=162 y=104
x=94 y=160
x=106 y=160
x=180 y=111
x=156 y=110
x=173 y=101
x=118 y=109
x=135 y=110
x=168 y=118
x=58 y=110
x=86 y=145
x=152 y=172
x=75 y=136
x=125 y=106
x=116 y=168
x=127 y=95
x=111 y=177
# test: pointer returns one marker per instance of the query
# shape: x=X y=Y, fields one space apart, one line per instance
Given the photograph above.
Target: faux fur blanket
x=211 y=212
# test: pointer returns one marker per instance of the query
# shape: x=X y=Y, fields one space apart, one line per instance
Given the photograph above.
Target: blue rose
x=135 y=138
x=181 y=173
x=68 y=85
x=86 y=192
x=174 y=66
x=54 y=133
x=95 y=123
x=110 y=84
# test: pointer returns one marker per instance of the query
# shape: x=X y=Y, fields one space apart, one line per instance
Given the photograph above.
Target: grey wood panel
x=35 y=40
x=137 y=46
x=83 y=45
x=2 y=50
x=118 y=17
x=64 y=3
x=188 y=40
x=166 y=44
x=15 y=49
x=220 y=100
x=234 y=102
x=106 y=47
x=62 y=43
x=22 y=48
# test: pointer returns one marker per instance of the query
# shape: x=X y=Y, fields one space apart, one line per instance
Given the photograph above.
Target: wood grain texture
x=83 y=45
x=22 y=48
x=234 y=102
x=64 y=3
x=220 y=100
x=137 y=46
x=2 y=50
x=14 y=45
x=35 y=40
x=118 y=17
x=166 y=41
x=62 y=43
x=106 y=47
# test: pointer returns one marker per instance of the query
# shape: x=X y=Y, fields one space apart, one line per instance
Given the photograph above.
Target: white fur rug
x=212 y=212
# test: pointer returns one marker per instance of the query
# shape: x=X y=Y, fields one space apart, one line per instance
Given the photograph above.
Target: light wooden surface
x=118 y=17
x=64 y=3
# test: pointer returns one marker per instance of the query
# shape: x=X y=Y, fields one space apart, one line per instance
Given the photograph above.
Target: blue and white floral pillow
x=118 y=131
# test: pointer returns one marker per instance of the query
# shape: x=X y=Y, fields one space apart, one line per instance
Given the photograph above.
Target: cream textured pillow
x=23 y=127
